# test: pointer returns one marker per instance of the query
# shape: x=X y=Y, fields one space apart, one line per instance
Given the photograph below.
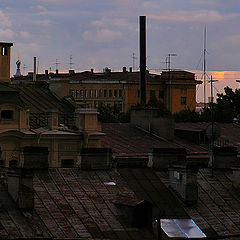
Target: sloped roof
x=39 y=99
x=218 y=208
x=71 y=203
x=125 y=138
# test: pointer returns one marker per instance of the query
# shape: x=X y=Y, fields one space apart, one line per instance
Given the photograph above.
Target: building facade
x=176 y=89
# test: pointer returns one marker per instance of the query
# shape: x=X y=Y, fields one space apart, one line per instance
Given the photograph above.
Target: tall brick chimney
x=183 y=179
x=20 y=180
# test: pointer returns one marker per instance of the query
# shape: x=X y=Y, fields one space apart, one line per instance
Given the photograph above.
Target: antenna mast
x=70 y=62
x=133 y=60
x=204 y=65
x=57 y=63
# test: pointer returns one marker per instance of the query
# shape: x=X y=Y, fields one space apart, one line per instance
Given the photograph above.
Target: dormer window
x=7 y=114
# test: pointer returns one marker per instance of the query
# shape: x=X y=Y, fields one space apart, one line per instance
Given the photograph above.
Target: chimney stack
x=142 y=59
x=20 y=180
x=52 y=119
x=183 y=179
x=34 y=69
x=124 y=69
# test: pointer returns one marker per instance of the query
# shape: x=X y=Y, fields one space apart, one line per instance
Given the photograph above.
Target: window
x=71 y=92
x=105 y=93
x=6 y=114
x=152 y=93
x=96 y=93
x=67 y=163
x=110 y=93
x=91 y=93
x=85 y=93
x=13 y=163
x=183 y=100
x=4 y=51
x=81 y=93
x=77 y=93
x=115 y=93
x=100 y=93
x=161 y=94
x=120 y=93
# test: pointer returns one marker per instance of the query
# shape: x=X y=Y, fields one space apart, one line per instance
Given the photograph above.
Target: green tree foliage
x=162 y=110
x=228 y=105
x=111 y=114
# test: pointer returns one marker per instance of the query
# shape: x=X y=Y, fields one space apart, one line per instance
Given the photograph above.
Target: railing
x=38 y=120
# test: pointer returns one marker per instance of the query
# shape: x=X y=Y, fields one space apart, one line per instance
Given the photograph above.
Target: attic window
x=7 y=114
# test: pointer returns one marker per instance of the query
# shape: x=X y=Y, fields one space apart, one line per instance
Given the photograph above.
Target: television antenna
x=133 y=60
x=168 y=60
x=70 y=62
x=57 y=63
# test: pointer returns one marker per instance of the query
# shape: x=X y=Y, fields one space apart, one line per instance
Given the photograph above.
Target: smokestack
x=34 y=69
x=142 y=20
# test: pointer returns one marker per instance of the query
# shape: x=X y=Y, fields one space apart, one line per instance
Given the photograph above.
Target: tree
x=112 y=114
x=228 y=105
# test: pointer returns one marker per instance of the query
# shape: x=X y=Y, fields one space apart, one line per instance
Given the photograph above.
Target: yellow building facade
x=176 y=89
x=63 y=144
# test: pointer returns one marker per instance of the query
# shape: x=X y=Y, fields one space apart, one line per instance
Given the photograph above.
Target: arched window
x=6 y=114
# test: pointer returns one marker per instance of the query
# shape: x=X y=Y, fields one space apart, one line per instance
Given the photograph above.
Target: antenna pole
x=133 y=60
x=57 y=63
x=204 y=65
x=70 y=62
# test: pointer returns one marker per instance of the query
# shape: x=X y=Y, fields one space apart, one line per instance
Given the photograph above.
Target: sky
x=104 y=33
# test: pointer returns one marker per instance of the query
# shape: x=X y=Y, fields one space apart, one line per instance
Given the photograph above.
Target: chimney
x=20 y=188
x=20 y=180
x=133 y=212
x=183 y=179
x=46 y=72
x=52 y=119
x=142 y=60
x=86 y=119
x=124 y=69
x=71 y=72
x=96 y=159
x=34 y=69
x=165 y=157
x=56 y=71
x=130 y=69
x=92 y=70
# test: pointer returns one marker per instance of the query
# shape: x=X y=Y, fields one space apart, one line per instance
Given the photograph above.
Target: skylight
x=111 y=183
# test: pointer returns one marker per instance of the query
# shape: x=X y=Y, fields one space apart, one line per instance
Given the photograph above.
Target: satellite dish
x=213 y=131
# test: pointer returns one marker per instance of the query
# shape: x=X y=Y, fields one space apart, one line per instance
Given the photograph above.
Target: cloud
x=4 y=21
x=233 y=39
x=101 y=36
x=6 y=34
x=43 y=23
x=25 y=35
x=193 y=16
